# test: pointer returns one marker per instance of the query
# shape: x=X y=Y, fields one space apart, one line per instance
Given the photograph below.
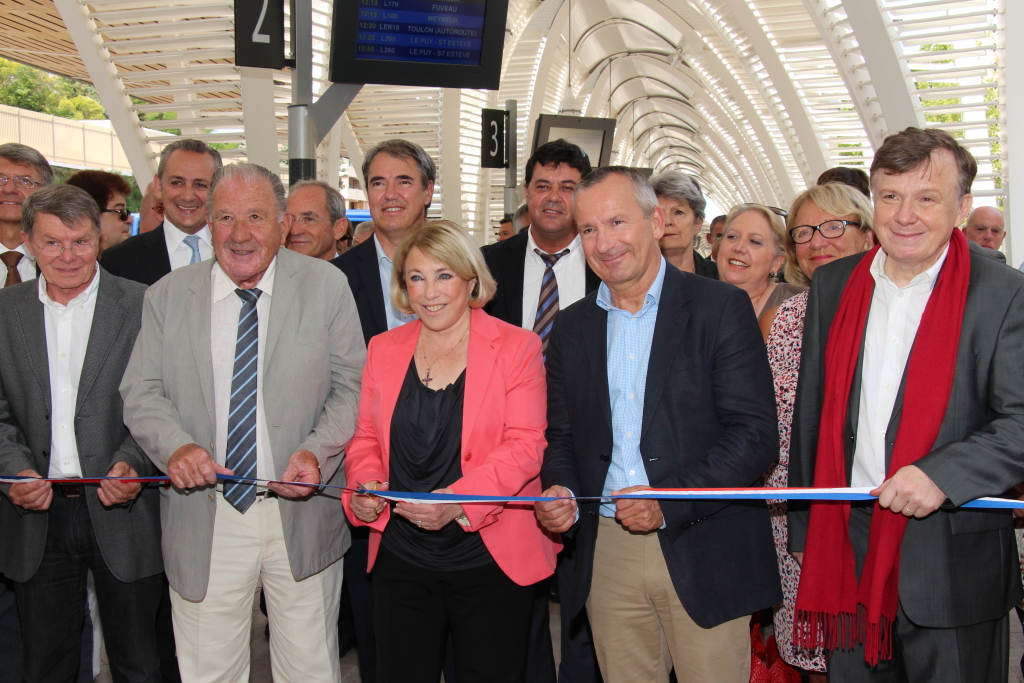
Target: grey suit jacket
x=128 y=535
x=312 y=369
x=958 y=566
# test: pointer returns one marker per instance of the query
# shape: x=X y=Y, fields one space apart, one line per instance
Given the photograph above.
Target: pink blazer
x=504 y=418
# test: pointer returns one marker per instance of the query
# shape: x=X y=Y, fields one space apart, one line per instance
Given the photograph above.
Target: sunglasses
x=123 y=214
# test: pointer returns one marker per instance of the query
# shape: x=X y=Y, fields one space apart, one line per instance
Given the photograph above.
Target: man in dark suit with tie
x=399 y=179
x=911 y=384
x=182 y=182
x=539 y=271
x=658 y=379
x=67 y=338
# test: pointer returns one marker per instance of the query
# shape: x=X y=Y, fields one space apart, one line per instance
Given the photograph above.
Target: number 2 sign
x=259 y=33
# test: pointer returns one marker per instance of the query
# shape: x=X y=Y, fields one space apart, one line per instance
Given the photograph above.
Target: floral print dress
x=784 y=344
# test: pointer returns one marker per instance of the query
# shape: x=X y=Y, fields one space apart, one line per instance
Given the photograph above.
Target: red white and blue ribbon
x=726 y=494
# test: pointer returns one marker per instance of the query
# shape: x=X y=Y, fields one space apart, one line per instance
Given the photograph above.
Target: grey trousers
x=978 y=653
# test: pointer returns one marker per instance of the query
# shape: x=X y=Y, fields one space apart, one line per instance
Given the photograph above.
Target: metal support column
x=511 y=154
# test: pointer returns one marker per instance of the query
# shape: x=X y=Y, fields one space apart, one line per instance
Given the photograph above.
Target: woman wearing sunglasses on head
x=752 y=252
x=110 y=191
x=825 y=223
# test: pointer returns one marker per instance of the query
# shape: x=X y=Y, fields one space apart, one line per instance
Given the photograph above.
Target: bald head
x=985 y=226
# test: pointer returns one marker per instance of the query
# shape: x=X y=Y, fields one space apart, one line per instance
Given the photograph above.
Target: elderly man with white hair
x=249 y=364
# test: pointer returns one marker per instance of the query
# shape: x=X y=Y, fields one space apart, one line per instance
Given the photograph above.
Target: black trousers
x=977 y=653
x=10 y=634
x=360 y=591
x=487 y=614
x=52 y=606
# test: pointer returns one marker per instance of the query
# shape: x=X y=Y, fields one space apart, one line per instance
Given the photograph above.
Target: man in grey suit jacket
x=958 y=571
x=66 y=339
x=249 y=365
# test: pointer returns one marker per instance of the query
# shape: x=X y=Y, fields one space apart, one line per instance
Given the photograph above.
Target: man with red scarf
x=911 y=383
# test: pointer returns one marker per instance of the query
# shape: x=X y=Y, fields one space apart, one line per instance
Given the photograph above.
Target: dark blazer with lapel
x=957 y=567
x=709 y=421
x=507 y=262
x=128 y=535
x=363 y=272
x=142 y=258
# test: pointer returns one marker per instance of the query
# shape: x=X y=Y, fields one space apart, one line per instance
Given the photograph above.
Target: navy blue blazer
x=709 y=421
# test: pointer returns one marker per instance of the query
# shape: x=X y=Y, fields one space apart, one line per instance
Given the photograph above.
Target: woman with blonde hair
x=751 y=254
x=454 y=402
x=826 y=223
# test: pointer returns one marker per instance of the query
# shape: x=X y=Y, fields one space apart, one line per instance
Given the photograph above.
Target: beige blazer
x=312 y=368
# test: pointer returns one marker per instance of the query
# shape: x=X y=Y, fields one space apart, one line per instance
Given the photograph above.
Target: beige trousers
x=641 y=630
x=212 y=635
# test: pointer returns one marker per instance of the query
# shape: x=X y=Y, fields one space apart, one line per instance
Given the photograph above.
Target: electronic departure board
x=421 y=31
x=434 y=43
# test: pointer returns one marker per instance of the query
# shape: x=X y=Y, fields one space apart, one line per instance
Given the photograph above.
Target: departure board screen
x=421 y=31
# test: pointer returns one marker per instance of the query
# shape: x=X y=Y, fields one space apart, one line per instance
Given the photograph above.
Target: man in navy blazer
x=658 y=379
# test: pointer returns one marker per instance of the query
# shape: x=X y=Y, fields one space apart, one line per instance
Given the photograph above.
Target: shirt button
x=64 y=318
x=629 y=434
x=632 y=472
x=67 y=463
x=631 y=397
x=901 y=294
x=887 y=386
x=631 y=356
x=62 y=355
x=895 y=340
x=63 y=391
x=63 y=426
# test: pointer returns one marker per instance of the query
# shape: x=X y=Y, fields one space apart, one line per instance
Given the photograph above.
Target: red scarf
x=832 y=610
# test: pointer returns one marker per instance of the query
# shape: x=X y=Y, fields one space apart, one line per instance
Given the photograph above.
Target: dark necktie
x=10 y=259
x=241 y=456
x=547 y=306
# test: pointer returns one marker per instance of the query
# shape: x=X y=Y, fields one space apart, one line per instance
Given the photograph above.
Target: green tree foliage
x=29 y=88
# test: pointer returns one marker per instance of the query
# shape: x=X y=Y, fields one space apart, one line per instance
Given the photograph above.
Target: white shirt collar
x=381 y=256
x=223 y=287
x=575 y=246
x=928 y=276
x=21 y=249
x=175 y=235
x=83 y=299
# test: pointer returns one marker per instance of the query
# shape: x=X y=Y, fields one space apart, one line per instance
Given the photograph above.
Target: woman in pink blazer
x=453 y=402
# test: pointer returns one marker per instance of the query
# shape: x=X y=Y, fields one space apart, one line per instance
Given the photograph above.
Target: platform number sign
x=259 y=33
x=492 y=142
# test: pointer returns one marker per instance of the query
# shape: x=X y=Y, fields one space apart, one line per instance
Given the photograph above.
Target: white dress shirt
x=67 y=337
x=224 y=310
x=26 y=266
x=179 y=252
x=385 y=266
x=570 y=272
x=893 y=319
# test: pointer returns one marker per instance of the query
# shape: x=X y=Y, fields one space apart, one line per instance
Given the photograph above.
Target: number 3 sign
x=492 y=142
x=259 y=33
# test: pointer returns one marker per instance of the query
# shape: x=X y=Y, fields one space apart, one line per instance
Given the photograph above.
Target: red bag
x=766 y=666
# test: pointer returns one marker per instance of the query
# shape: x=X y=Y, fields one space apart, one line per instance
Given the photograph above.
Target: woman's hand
x=368 y=508
x=427 y=516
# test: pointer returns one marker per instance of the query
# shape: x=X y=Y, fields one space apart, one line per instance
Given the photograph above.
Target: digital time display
x=421 y=31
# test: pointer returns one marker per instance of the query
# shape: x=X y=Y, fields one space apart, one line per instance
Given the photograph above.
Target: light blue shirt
x=629 y=350
x=396 y=318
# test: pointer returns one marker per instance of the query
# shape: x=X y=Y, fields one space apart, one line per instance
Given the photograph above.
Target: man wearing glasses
x=66 y=339
x=23 y=170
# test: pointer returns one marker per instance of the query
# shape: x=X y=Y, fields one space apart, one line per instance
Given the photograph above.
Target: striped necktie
x=547 y=306
x=241 y=457
x=192 y=242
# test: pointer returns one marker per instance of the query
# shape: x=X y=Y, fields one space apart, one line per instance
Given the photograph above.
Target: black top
x=426 y=450
x=142 y=258
x=703 y=266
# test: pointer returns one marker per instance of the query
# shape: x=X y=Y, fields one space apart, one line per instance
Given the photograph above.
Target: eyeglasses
x=123 y=214
x=22 y=181
x=78 y=248
x=774 y=209
x=830 y=230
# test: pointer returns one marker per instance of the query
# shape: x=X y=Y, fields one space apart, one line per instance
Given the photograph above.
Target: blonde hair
x=835 y=199
x=450 y=244
x=778 y=228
